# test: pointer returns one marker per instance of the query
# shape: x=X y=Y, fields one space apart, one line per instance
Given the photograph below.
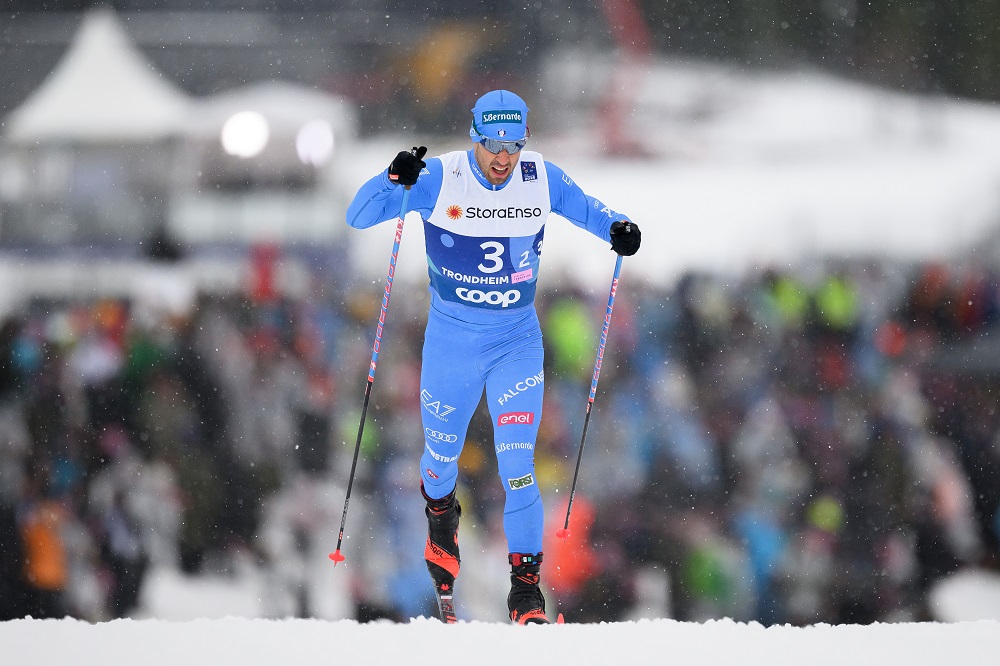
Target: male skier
x=484 y=212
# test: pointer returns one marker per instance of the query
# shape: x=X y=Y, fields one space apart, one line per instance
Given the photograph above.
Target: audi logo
x=440 y=436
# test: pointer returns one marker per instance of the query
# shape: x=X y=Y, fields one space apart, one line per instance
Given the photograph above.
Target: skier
x=484 y=212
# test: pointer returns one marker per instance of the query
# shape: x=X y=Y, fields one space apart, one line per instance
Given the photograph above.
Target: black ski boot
x=525 y=601
x=441 y=550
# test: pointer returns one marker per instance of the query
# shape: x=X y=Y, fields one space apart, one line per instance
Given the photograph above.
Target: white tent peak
x=102 y=90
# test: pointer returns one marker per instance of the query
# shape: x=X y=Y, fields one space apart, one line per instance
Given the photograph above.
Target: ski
x=446 y=606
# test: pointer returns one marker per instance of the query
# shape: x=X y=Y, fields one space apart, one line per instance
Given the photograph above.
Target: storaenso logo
x=508 y=213
x=490 y=117
x=501 y=298
x=522 y=482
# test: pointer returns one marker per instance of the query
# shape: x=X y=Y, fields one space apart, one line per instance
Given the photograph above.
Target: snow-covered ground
x=261 y=642
x=221 y=638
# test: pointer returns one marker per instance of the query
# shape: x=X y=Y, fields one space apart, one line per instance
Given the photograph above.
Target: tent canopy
x=102 y=90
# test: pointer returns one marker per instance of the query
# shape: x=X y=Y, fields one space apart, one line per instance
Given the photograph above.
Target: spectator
x=124 y=551
x=12 y=602
x=45 y=575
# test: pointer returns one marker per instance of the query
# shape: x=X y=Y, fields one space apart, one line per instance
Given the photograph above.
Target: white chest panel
x=483 y=245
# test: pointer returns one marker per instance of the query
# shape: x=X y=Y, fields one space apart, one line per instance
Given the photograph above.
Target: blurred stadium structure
x=118 y=153
x=110 y=146
x=108 y=158
x=149 y=85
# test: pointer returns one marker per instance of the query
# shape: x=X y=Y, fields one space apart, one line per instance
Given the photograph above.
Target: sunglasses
x=496 y=145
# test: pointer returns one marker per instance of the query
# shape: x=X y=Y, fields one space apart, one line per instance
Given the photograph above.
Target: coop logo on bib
x=501 y=298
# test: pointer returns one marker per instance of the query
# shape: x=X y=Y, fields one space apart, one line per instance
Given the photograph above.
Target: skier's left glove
x=625 y=237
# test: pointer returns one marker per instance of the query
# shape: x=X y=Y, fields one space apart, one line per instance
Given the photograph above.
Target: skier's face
x=497 y=167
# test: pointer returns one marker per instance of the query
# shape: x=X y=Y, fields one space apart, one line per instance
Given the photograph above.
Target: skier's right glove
x=406 y=167
x=625 y=237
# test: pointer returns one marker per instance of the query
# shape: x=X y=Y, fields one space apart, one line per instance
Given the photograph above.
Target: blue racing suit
x=483 y=244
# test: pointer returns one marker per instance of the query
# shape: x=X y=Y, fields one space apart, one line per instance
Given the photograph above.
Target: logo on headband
x=490 y=117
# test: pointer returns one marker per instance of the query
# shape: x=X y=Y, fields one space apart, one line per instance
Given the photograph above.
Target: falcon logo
x=453 y=212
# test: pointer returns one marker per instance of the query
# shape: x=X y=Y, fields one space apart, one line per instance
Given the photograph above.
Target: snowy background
x=735 y=172
x=730 y=173
x=772 y=170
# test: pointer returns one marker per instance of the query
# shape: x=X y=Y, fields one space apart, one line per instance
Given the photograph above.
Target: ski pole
x=563 y=532
x=336 y=556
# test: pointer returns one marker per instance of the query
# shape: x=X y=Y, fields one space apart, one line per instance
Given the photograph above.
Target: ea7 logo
x=434 y=406
x=521 y=482
x=509 y=418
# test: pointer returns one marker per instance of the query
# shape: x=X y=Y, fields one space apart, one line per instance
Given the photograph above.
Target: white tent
x=103 y=90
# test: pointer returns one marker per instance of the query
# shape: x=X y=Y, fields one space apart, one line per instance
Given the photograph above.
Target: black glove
x=625 y=237
x=405 y=169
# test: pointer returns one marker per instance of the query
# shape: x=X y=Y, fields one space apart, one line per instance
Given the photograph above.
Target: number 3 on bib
x=494 y=254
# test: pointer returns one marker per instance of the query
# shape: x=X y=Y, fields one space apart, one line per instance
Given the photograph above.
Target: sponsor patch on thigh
x=521 y=482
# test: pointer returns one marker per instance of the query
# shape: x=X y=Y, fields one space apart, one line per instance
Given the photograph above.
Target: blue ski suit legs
x=460 y=359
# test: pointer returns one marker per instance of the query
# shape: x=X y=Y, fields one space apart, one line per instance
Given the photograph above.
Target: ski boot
x=441 y=550
x=525 y=601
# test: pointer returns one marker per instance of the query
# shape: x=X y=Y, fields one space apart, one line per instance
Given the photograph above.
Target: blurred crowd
x=789 y=446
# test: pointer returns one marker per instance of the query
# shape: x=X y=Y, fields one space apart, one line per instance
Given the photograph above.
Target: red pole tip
x=336 y=557
x=560 y=619
x=562 y=533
